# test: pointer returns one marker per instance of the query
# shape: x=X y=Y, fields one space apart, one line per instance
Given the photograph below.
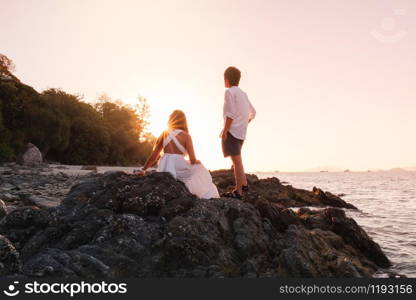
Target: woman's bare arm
x=155 y=154
x=190 y=149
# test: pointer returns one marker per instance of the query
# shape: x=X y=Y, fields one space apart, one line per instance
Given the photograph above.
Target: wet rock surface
x=120 y=225
x=274 y=191
x=22 y=186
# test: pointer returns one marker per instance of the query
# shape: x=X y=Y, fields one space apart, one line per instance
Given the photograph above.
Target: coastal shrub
x=67 y=129
x=6 y=152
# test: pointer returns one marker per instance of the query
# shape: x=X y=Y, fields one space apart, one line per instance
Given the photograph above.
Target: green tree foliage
x=6 y=152
x=126 y=127
x=68 y=130
x=6 y=66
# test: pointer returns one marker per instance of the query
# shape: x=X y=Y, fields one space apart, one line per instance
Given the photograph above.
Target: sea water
x=386 y=203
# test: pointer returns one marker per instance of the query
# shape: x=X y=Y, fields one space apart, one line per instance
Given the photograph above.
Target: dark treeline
x=67 y=129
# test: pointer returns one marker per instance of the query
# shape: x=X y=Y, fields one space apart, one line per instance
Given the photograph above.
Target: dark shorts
x=231 y=146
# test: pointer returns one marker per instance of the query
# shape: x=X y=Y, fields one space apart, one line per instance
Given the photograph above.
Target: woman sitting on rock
x=176 y=143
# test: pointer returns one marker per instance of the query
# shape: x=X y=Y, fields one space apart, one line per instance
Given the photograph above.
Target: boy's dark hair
x=233 y=75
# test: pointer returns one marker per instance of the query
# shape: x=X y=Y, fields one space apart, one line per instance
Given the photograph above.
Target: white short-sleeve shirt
x=239 y=108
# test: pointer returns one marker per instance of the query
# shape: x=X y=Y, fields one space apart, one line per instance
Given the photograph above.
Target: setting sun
x=198 y=117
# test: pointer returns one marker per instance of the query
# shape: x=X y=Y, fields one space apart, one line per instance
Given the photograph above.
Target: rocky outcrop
x=31 y=156
x=274 y=191
x=9 y=257
x=120 y=225
x=34 y=186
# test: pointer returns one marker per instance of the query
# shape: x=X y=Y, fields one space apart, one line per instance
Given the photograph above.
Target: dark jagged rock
x=279 y=216
x=224 y=179
x=31 y=156
x=9 y=257
x=3 y=209
x=119 y=225
x=335 y=220
x=271 y=189
x=319 y=253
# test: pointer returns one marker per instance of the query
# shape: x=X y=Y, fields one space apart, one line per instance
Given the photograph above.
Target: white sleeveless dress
x=196 y=177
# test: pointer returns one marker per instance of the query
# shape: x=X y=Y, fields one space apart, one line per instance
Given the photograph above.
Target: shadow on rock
x=118 y=225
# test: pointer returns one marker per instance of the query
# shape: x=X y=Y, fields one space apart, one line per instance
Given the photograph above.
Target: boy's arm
x=227 y=127
x=252 y=112
x=229 y=113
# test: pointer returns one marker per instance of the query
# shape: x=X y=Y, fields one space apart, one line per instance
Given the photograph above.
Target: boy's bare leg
x=244 y=178
x=239 y=175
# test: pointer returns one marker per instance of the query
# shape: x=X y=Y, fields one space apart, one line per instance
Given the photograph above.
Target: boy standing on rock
x=237 y=113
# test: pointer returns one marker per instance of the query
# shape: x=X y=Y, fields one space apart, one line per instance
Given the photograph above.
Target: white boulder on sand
x=31 y=157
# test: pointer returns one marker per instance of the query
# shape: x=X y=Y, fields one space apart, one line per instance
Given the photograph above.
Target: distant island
x=325 y=169
x=399 y=170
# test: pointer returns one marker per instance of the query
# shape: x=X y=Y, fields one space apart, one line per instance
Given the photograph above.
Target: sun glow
x=204 y=121
x=321 y=99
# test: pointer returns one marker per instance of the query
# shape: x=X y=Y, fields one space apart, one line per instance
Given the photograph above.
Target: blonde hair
x=177 y=120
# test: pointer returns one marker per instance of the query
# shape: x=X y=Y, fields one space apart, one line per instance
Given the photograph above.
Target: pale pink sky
x=333 y=81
